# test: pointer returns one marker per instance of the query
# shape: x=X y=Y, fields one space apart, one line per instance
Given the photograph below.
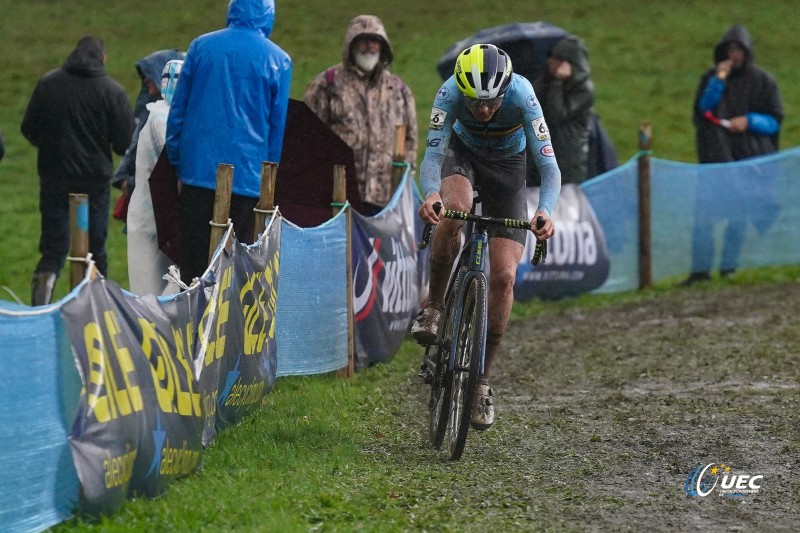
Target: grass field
x=646 y=63
x=333 y=455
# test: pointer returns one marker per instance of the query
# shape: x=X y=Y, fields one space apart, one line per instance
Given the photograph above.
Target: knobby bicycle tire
x=441 y=385
x=469 y=349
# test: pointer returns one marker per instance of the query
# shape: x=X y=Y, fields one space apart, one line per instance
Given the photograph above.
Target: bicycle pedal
x=425 y=373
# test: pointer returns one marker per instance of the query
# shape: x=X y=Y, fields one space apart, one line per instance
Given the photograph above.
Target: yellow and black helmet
x=483 y=72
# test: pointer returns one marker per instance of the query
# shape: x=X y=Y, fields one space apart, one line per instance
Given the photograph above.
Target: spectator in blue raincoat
x=229 y=107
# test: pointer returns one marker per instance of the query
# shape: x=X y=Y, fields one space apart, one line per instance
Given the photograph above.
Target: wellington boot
x=42 y=287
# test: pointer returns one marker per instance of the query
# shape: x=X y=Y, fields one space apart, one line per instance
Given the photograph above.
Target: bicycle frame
x=474 y=259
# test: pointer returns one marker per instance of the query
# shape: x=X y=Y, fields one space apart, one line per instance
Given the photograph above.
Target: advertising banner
x=161 y=376
x=139 y=414
x=236 y=355
x=385 y=277
x=577 y=259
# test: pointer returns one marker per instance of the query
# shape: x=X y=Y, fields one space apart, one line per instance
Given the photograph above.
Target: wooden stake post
x=222 y=206
x=645 y=260
x=78 y=236
x=399 y=155
x=266 y=199
x=339 y=198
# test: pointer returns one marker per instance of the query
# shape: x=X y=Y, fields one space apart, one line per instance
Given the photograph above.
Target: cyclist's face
x=483 y=110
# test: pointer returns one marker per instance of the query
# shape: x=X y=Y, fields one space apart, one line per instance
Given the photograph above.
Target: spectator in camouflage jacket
x=362 y=102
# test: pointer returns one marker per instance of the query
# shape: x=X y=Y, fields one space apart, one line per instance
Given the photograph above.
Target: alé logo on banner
x=703 y=479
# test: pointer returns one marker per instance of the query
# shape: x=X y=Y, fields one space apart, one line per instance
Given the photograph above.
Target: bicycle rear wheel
x=441 y=387
x=469 y=349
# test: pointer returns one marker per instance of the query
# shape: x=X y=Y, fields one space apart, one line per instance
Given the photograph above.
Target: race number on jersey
x=437 y=118
x=540 y=128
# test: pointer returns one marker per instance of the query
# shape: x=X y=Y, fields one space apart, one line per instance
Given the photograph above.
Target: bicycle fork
x=475 y=263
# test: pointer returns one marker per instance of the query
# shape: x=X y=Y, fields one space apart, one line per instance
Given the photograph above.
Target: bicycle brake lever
x=540 y=251
x=425 y=240
x=427 y=231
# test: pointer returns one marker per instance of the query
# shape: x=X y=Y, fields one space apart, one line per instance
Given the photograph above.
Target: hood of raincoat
x=736 y=33
x=367 y=26
x=151 y=66
x=87 y=58
x=255 y=14
x=169 y=79
x=574 y=50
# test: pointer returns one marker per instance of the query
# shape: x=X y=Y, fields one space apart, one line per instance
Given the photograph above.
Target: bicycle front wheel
x=441 y=388
x=470 y=343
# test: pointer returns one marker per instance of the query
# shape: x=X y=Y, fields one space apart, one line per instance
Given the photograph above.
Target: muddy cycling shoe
x=482 y=407
x=426 y=326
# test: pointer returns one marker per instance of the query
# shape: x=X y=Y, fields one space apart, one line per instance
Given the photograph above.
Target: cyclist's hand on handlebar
x=545 y=231
x=427 y=212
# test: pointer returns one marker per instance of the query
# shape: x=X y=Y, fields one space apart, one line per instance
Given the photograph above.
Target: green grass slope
x=302 y=463
x=646 y=62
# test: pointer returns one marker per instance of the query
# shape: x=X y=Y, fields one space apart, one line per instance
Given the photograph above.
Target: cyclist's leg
x=504 y=256
x=503 y=195
x=456 y=193
x=444 y=249
x=503 y=192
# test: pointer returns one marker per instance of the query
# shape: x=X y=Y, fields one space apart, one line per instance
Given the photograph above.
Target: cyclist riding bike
x=494 y=114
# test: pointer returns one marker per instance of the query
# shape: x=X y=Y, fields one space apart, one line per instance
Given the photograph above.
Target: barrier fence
x=178 y=369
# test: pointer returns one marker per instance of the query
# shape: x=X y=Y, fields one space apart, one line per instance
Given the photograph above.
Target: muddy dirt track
x=602 y=414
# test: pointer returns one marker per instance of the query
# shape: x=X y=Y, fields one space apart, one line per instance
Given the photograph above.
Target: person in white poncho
x=146 y=263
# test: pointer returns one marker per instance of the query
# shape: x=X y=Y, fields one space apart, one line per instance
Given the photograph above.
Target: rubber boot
x=42 y=287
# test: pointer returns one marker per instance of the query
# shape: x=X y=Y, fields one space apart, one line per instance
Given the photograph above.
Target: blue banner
x=385 y=277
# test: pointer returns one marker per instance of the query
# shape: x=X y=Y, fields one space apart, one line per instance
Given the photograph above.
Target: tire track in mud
x=611 y=408
x=603 y=412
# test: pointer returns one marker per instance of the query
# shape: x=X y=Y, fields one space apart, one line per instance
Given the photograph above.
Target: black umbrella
x=527 y=43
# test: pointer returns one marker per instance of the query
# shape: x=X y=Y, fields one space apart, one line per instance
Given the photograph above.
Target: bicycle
x=455 y=361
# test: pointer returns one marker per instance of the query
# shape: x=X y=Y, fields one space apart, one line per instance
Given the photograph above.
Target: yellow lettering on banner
x=166 y=379
x=185 y=339
x=96 y=394
x=188 y=401
x=205 y=343
x=254 y=311
x=178 y=461
x=210 y=405
x=119 y=469
x=272 y=277
x=218 y=309
x=246 y=394
x=258 y=307
x=156 y=351
x=129 y=397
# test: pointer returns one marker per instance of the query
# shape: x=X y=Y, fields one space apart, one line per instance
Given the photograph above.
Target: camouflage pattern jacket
x=363 y=109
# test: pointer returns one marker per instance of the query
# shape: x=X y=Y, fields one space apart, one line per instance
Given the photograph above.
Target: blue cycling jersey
x=516 y=124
